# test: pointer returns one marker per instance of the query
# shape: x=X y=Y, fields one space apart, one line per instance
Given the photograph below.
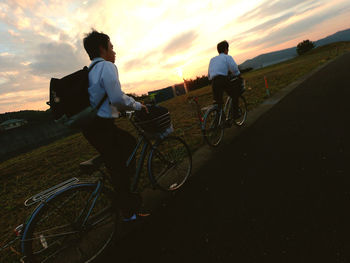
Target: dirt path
x=279 y=192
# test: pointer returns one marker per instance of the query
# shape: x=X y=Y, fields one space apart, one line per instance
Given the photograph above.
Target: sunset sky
x=158 y=43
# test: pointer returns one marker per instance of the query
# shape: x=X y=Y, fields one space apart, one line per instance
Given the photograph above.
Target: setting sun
x=158 y=43
x=179 y=72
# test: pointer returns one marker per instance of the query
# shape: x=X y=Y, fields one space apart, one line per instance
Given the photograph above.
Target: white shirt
x=221 y=65
x=104 y=78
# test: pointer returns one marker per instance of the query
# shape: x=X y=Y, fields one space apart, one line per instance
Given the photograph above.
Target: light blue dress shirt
x=221 y=65
x=104 y=78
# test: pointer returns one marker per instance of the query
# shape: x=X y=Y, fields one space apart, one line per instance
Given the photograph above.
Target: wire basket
x=154 y=126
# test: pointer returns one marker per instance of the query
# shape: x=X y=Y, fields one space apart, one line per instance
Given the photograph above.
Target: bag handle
x=105 y=96
x=93 y=65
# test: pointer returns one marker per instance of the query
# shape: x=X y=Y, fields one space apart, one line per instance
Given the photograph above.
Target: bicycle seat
x=91 y=165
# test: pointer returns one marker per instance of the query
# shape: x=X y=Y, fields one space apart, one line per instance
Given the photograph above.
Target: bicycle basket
x=155 y=122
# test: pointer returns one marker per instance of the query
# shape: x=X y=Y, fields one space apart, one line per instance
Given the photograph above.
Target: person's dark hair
x=92 y=42
x=222 y=46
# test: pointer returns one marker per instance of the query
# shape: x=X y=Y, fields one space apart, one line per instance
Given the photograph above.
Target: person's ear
x=102 y=51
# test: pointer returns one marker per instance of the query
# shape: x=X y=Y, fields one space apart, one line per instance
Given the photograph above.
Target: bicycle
x=213 y=120
x=77 y=219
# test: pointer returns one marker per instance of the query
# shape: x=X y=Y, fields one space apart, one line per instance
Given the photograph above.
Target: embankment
x=25 y=138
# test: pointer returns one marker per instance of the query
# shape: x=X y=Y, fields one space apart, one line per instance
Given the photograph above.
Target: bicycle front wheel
x=170 y=163
x=56 y=233
x=213 y=131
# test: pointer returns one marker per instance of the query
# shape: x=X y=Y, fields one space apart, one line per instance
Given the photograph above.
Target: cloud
x=144 y=85
x=175 y=46
x=9 y=62
x=271 y=23
x=282 y=15
x=41 y=39
x=13 y=33
x=14 y=15
x=270 y=18
x=180 y=43
x=48 y=27
x=295 y=29
x=269 y=8
x=35 y=100
x=141 y=62
x=23 y=91
x=23 y=3
x=56 y=58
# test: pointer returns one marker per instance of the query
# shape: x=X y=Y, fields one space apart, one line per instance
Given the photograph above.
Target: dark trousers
x=115 y=145
x=221 y=84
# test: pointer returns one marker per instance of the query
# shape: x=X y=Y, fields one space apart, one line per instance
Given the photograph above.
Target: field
x=30 y=173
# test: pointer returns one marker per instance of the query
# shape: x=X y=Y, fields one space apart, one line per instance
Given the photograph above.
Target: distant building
x=168 y=92
x=162 y=94
x=12 y=124
x=179 y=89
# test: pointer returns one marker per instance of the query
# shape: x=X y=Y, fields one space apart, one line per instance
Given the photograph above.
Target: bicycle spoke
x=57 y=209
x=45 y=240
x=213 y=126
x=54 y=228
x=50 y=236
x=166 y=159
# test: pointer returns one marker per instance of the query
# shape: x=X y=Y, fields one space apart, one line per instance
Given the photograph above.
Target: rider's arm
x=110 y=81
x=232 y=66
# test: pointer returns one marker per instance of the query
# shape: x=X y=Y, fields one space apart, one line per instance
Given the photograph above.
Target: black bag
x=69 y=99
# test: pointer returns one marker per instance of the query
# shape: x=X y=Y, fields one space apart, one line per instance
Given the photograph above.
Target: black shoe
x=136 y=216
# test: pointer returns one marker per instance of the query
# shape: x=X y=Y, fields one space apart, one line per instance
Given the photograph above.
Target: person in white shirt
x=219 y=69
x=113 y=143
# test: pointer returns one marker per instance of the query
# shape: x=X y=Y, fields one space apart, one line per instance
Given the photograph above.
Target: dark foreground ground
x=279 y=192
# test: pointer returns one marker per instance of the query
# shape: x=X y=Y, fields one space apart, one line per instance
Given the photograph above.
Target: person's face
x=108 y=54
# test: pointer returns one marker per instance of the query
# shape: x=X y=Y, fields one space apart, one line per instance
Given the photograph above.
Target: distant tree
x=304 y=47
x=197 y=83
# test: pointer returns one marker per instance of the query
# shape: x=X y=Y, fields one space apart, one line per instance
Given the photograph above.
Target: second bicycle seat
x=91 y=165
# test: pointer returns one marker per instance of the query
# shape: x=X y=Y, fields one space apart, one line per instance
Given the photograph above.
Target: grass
x=30 y=173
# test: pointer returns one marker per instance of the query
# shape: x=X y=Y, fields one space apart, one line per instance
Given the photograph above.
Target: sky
x=158 y=42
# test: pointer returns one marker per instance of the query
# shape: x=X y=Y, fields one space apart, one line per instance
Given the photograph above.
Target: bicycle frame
x=199 y=110
x=224 y=109
x=146 y=145
x=84 y=215
x=49 y=193
x=82 y=221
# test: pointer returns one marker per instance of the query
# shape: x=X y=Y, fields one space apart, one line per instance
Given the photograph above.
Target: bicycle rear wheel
x=242 y=108
x=54 y=232
x=213 y=131
x=170 y=163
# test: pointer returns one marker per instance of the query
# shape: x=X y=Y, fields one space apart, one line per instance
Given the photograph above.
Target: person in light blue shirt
x=114 y=144
x=219 y=69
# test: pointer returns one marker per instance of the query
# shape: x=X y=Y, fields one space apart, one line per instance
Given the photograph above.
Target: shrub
x=304 y=47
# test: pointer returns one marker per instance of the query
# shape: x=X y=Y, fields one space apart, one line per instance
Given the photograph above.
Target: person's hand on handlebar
x=143 y=106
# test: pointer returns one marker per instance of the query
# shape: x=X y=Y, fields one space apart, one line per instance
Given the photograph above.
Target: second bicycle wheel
x=213 y=132
x=242 y=108
x=170 y=163
x=55 y=231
